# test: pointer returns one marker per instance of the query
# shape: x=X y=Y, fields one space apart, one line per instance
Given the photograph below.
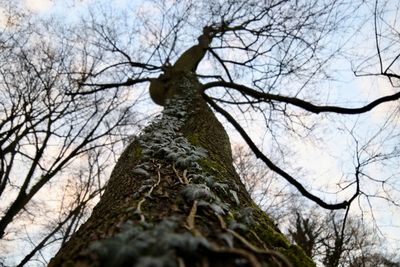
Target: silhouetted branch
x=299 y=102
x=105 y=86
x=271 y=165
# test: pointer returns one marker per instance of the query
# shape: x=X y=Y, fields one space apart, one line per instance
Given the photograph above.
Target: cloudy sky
x=323 y=160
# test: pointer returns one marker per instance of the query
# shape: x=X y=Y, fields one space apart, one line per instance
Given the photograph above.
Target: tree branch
x=302 y=103
x=270 y=164
x=105 y=86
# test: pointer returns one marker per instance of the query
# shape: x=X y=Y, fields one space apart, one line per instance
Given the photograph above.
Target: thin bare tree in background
x=318 y=232
x=324 y=236
x=321 y=237
x=50 y=140
x=265 y=60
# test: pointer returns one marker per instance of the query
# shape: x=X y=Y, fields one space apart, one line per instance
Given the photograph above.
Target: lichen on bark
x=174 y=199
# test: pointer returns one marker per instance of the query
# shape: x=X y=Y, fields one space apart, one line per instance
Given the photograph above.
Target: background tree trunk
x=174 y=199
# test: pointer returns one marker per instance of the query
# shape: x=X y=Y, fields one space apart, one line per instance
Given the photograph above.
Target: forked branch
x=275 y=168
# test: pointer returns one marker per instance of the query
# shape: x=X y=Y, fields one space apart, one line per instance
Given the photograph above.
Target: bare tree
x=174 y=198
x=273 y=41
x=321 y=237
x=319 y=233
x=51 y=140
x=264 y=187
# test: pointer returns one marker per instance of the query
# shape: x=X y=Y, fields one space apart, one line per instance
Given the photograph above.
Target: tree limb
x=104 y=86
x=302 y=103
x=271 y=165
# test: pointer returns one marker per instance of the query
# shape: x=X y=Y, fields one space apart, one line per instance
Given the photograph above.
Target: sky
x=38 y=5
x=332 y=161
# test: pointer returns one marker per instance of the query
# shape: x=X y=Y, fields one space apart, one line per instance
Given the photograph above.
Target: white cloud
x=3 y=18
x=373 y=88
x=38 y=5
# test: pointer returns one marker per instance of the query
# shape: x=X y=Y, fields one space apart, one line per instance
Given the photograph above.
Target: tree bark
x=174 y=199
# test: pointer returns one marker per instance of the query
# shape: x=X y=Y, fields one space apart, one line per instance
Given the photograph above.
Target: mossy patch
x=297 y=256
x=138 y=152
x=194 y=139
x=267 y=232
x=212 y=167
x=270 y=235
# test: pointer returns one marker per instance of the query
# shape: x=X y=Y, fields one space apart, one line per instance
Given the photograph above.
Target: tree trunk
x=174 y=199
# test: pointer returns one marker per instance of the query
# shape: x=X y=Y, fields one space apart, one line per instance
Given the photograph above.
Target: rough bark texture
x=174 y=199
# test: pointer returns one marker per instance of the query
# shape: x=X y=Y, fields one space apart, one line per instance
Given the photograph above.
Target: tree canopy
x=292 y=79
